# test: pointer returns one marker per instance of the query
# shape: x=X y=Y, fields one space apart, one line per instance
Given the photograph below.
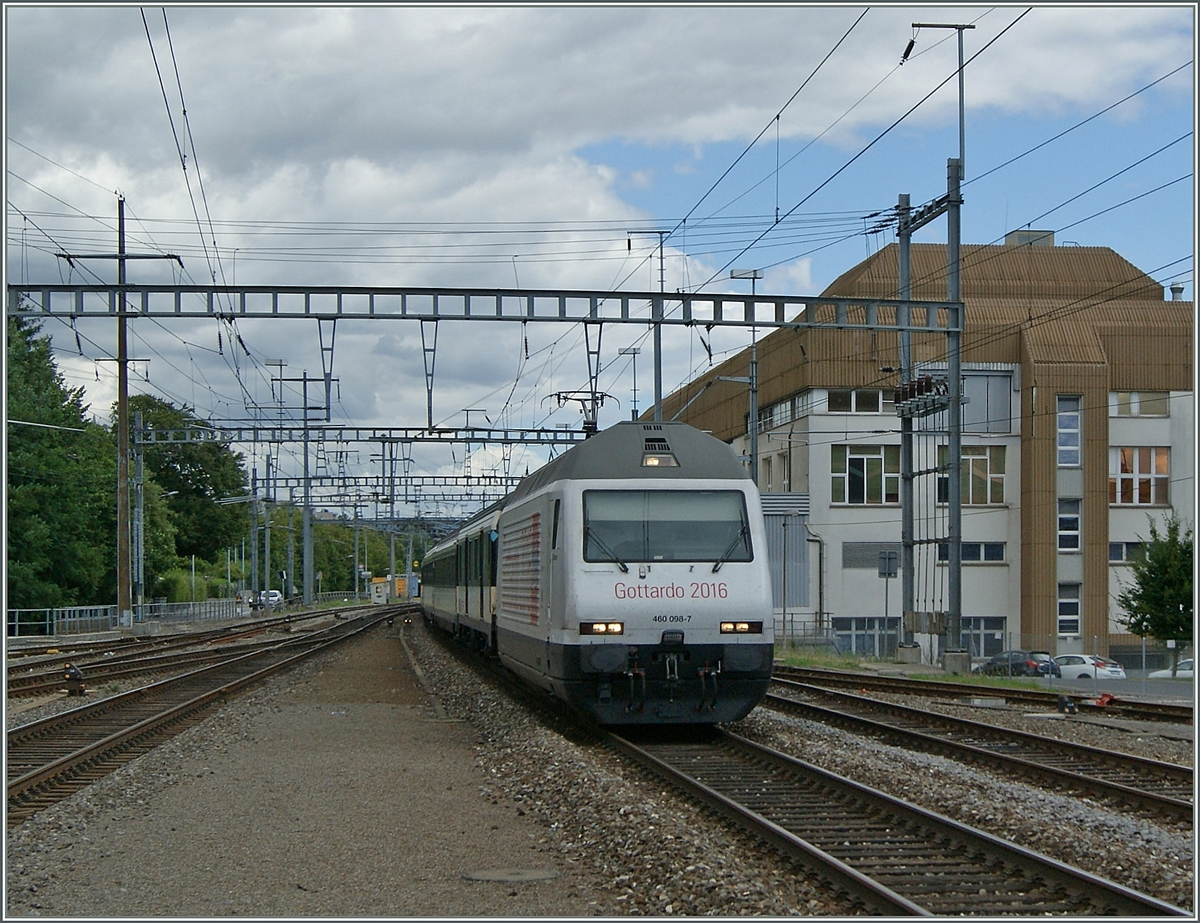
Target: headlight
x=602 y=628
x=741 y=628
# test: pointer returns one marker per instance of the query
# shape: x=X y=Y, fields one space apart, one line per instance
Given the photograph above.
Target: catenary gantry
x=436 y=304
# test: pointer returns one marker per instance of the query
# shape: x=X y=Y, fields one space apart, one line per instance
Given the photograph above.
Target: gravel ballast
x=342 y=789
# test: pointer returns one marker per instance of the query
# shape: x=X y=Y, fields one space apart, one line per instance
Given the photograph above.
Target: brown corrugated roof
x=1054 y=305
x=1000 y=271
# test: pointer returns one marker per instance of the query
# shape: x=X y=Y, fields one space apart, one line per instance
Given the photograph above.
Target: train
x=628 y=577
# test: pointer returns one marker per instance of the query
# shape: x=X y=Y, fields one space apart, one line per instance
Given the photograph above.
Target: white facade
x=806 y=447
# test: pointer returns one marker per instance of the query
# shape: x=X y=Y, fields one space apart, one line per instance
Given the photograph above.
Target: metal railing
x=77 y=620
x=69 y=621
x=200 y=610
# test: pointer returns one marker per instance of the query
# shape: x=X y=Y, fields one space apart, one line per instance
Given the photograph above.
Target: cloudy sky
x=544 y=147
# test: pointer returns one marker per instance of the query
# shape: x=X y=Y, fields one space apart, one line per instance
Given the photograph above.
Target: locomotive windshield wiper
x=742 y=533
x=587 y=530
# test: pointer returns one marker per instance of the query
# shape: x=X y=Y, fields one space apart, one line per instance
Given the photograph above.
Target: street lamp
x=632 y=351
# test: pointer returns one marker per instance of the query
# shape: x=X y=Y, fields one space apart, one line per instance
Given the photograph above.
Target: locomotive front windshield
x=665 y=525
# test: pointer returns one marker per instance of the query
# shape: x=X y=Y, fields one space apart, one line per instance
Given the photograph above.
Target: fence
x=82 y=619
x=75 y=620
x=190 y=612
x=789 y=633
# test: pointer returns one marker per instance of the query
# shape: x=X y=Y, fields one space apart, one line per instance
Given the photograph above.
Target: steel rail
x=1152 y=785
x=106 y=671
x=1086 y=703
x=35 y=787
x=155 y=658
x=918 y=862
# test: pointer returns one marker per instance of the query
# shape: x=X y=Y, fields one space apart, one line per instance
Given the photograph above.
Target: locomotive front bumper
x=672 y=682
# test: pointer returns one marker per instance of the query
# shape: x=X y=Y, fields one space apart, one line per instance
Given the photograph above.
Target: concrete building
x=1078 y=429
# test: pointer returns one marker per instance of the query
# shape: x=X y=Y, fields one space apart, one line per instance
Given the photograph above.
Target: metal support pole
x=391 y=590
x=657 y=313
x=408 y=571
x=267 y=530
x=783 y=575
x=954 y=410
x=124 y=578
x=907 y=528
x=290 y=589
x=306 y=515
x=254 y=584
x=139 y=521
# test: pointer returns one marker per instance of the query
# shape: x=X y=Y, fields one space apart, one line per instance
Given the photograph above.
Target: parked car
x=274 y=597
x=1184 y=671
x=1088 y=666
x=1019 y=663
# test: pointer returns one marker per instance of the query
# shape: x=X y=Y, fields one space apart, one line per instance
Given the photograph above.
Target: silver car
x=1088 y=666
x=1184 y=671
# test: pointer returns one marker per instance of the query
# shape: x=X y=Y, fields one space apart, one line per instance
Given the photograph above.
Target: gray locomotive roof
x=616 y=453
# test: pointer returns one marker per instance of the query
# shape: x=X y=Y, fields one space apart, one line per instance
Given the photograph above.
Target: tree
x=61 y=489
x=1158 y=604
x=194 y=478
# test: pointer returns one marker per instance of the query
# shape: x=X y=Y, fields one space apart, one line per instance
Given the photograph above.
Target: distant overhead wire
x=1090 y=118
x=871 y=144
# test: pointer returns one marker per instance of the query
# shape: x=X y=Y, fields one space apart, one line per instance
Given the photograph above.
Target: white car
x=1088 y=666
x=274 y=597
x=1183 y=672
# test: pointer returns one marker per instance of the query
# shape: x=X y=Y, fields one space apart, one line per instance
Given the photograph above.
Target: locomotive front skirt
x=628 y=577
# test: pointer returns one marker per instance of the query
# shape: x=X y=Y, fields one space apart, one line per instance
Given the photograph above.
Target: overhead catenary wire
x=610 y=368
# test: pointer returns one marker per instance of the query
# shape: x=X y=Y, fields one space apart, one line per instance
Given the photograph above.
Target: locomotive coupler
x=671 y=662
x=637 y=678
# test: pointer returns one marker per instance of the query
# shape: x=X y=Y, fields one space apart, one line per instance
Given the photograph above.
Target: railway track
x=1163 y=788
x=886 y=856
x=1086 y=704
x=176 y=653
x=883 y=855
x=50 y=759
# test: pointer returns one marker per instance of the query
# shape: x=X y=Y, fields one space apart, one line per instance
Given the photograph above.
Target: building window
x=864 y=474
x=1139 y=475
x=776 y=415
x=989 y=403
x=1068 y=608
x=1069 y=432
x=765 y=480
x=974 y=552
x=1123 y=552
x=1068 y=524
x=868 y=400
x=1139 y=404
x=982 y=475
x=870 y=636
x=984 y=635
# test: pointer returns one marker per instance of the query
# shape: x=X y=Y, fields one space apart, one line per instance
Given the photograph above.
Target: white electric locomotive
x=628 y=576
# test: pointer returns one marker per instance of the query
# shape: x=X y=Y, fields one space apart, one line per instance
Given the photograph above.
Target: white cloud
x=445 y=122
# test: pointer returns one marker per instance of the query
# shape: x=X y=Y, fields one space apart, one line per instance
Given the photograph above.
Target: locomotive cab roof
x=667 y=451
